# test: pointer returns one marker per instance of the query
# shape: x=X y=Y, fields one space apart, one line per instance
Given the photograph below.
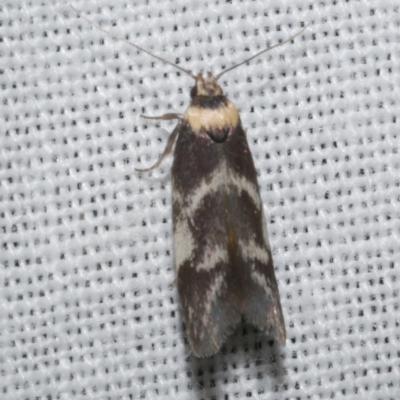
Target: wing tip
x=208 y=343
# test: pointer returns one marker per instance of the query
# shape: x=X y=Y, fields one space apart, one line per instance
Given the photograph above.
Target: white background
x=86 y=306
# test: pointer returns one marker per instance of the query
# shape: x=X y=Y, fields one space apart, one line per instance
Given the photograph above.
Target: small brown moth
x=222 y=253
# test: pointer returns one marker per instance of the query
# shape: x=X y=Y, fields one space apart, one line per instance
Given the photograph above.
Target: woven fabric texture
x=89 y=308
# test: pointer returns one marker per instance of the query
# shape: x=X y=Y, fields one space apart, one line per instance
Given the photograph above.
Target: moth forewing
x=222 y=257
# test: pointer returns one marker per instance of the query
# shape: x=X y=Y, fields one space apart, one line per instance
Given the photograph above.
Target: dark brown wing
x=222 y=256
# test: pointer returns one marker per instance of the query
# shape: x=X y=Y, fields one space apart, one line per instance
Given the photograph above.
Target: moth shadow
x=248 y=359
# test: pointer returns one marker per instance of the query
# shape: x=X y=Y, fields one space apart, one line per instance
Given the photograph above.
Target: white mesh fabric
x=87 y=306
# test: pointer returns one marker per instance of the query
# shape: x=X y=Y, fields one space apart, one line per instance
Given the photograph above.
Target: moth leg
x=168 y=148
x=165 y=117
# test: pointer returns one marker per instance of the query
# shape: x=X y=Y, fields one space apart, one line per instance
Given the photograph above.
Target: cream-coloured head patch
x=200 y=118
x=207 y=85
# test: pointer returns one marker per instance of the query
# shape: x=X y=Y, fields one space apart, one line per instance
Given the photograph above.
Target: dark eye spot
x=219 y=135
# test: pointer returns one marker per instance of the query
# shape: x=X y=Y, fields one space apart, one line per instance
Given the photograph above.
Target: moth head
x=205 y=86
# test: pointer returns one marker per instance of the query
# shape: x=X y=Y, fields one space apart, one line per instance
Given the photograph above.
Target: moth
x=222 y=253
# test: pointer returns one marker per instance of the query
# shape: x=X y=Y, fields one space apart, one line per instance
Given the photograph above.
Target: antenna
x=261 y=52
x=186 y=71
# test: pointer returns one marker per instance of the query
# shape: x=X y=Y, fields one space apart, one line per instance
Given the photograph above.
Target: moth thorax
x=206 y=86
